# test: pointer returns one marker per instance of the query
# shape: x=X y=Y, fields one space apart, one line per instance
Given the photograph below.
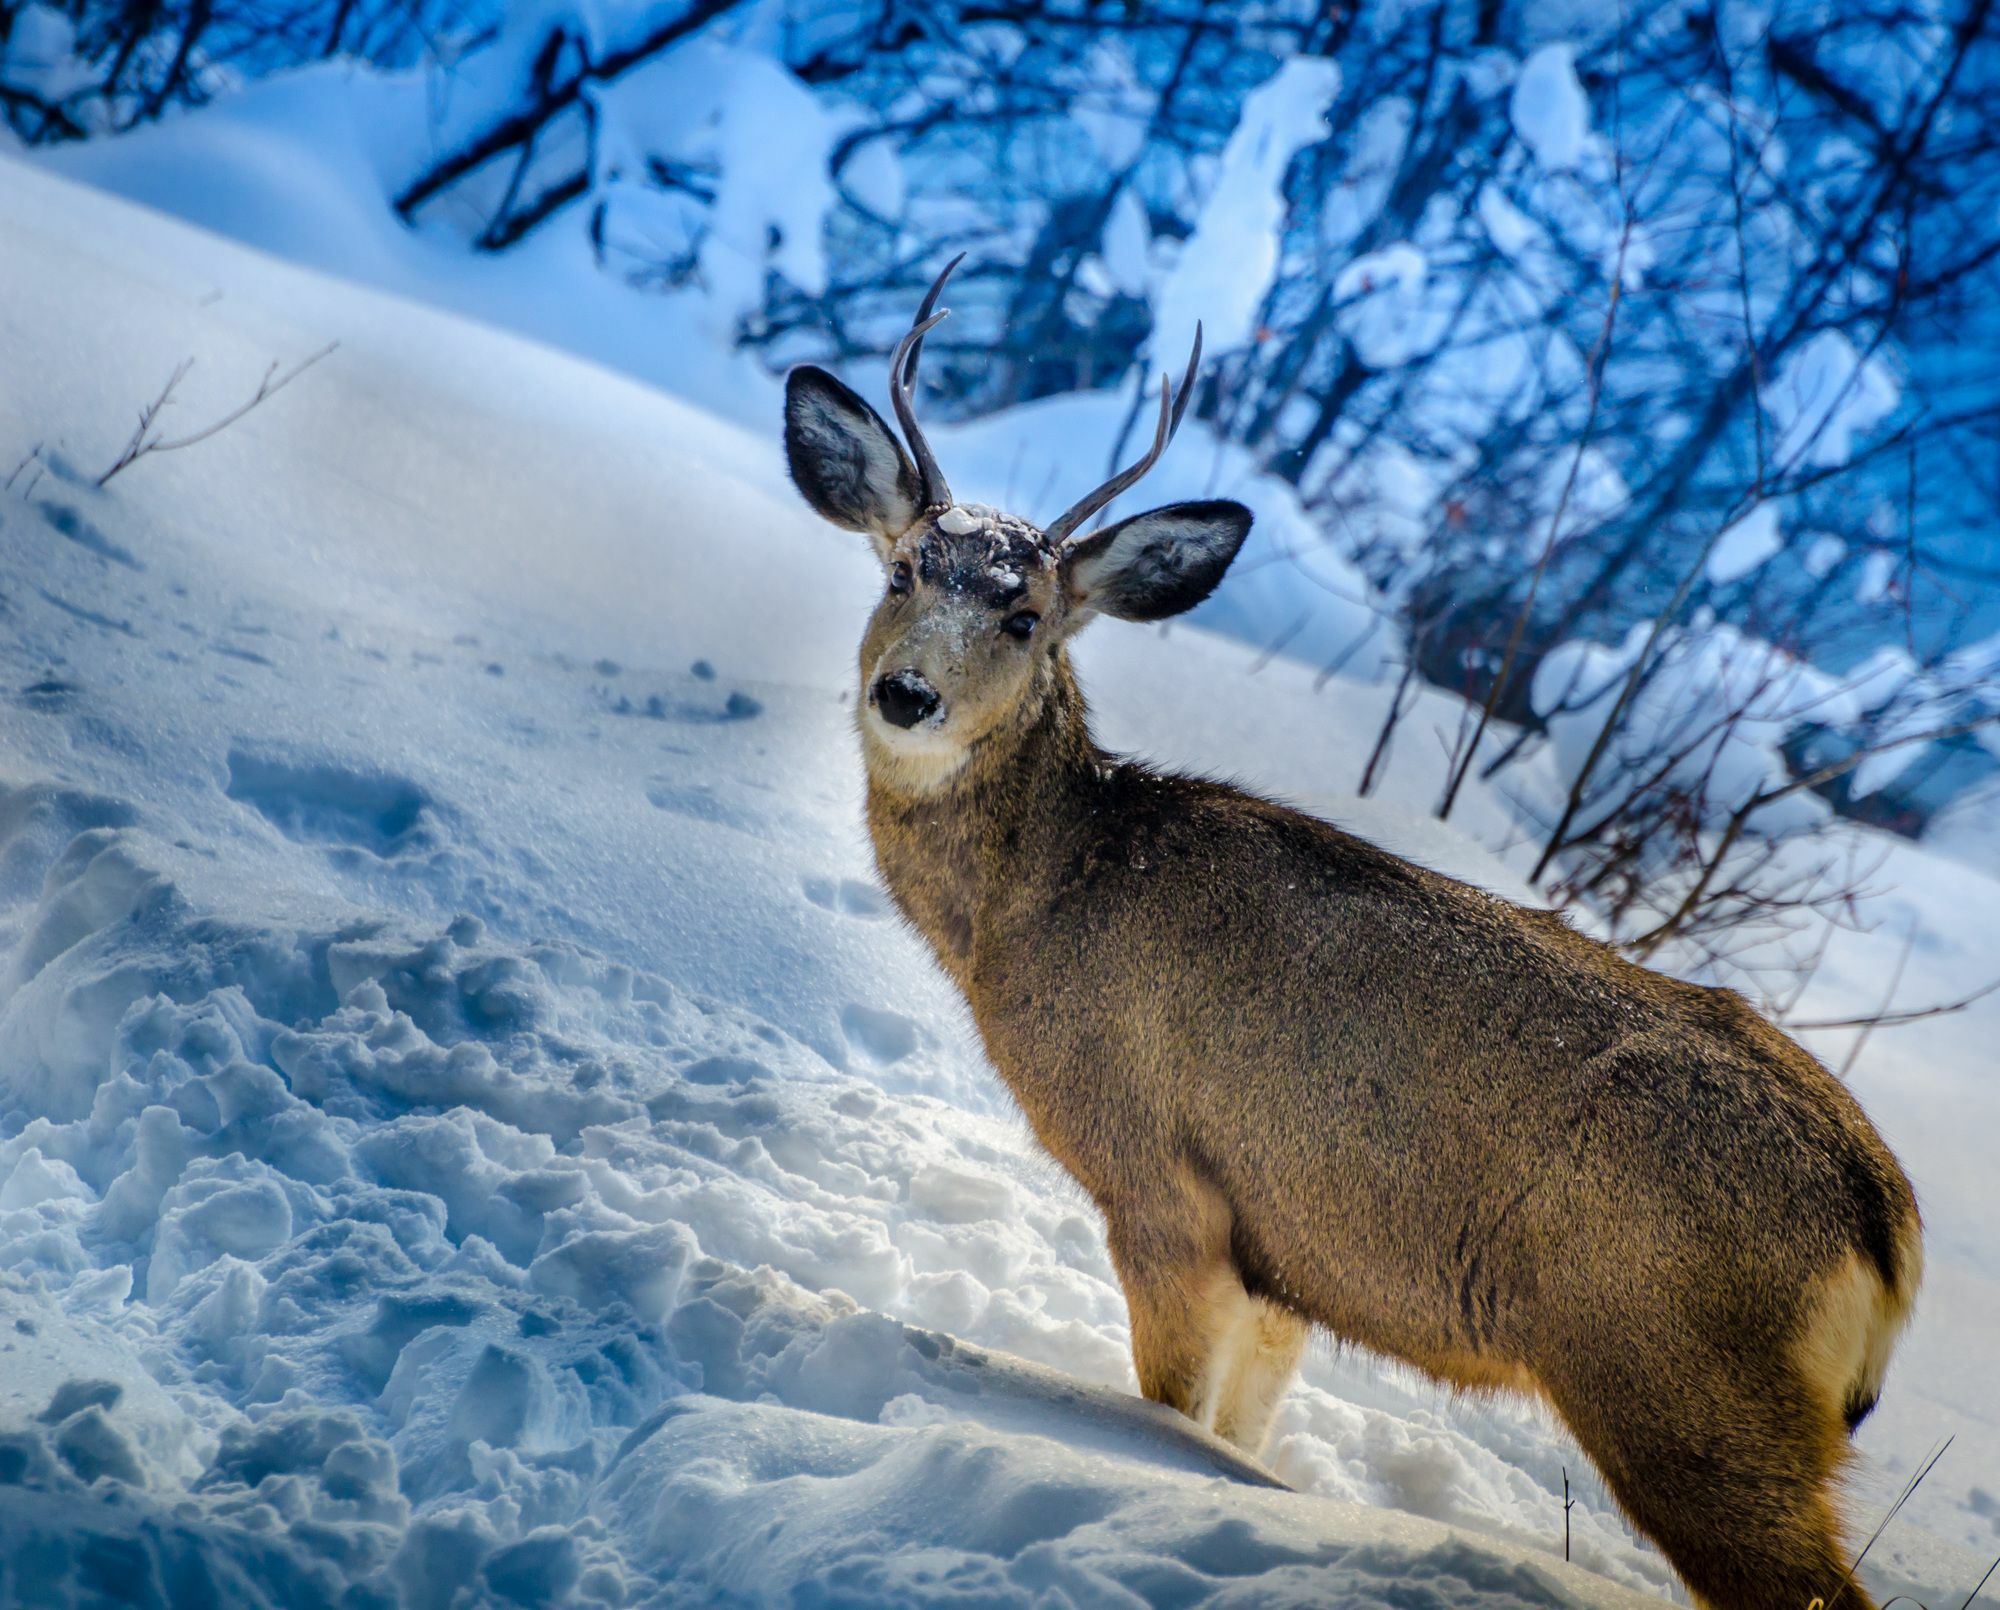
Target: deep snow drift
x=468 y=1122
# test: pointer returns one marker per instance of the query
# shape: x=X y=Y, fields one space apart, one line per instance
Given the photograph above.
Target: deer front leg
x=1267 y=1352
x=1188 y=1309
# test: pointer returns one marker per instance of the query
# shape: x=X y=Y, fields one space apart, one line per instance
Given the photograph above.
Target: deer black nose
x=905 y=698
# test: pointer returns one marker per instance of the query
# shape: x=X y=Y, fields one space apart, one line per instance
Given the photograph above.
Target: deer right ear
x=845 y=460
x=1155 y=564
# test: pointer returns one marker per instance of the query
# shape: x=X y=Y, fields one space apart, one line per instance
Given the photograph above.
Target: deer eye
x=899 y=577
x=1021 y=624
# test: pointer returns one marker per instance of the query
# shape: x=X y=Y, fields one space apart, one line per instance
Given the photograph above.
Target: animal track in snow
x=699 y=801
x=848 y=896
x=72 y=523
x=91 y=616
x=320 y=803
x=739 y=706
x=49 y=694
x=878 y=1034
x=724 y=1070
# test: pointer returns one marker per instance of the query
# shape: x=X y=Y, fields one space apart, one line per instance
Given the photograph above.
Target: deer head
x=967 y=636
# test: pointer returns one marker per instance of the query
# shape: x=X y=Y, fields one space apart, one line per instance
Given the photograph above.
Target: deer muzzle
x=905 y=698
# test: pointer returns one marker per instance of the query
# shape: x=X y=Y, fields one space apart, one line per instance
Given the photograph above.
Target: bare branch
x=146 y=438
x=1887 y=1019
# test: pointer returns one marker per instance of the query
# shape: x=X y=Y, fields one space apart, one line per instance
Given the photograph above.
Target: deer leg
x=1188 y=1309
x=1267 y=1352
x=1733 y=1477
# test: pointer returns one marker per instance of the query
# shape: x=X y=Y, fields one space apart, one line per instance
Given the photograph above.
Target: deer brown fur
x=1311 y=1084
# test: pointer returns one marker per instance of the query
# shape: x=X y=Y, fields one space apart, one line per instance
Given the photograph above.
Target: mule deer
x=1309 y=1083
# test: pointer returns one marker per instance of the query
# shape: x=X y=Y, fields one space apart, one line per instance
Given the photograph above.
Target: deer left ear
x=845 y=459
x=1156 y=564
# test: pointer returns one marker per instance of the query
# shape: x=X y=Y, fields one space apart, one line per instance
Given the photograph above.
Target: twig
x=1889 y=1020
x=137 y=445
x=1645 y=944
x=27 y=458
x=1888 y=995
x=1882 y=1526
x=1462 y=762
x=524 y=126
x=1569 y=1504
x=1395 y=714
x=146 y=439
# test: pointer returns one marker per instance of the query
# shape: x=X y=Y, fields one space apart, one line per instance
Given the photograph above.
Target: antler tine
x=908 y=375
x=1061 y=533
x=1187 y=382
x=1172 y=406
x=936 y=492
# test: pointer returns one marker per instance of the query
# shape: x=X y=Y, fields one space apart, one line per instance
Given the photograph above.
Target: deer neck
x=941 y=850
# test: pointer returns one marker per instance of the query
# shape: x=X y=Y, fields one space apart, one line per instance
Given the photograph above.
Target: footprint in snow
x=724 y=1070
x=91 y=616
x=878 y=1034
x=75 y=525
x=739 y=706
x=699 y=802
x=379 y=815
x=848 y=896
x=49 y=694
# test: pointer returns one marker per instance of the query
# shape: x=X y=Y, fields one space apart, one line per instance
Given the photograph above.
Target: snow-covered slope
x=467 y=1119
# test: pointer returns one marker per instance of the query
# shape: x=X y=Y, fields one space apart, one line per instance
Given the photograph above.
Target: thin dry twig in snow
x=1995 y=1566
x=33 y=456
x=1875 y=1536
x=147 y=439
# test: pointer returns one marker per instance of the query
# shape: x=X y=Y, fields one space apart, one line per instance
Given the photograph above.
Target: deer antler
x=935 y=492
x=1172 y=405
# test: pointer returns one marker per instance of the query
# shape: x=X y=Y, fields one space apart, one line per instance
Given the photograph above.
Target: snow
x=1511 y=230
x=1113 y=106
x=1225 y=266
x=1588 y=489
x=1550 y=111
x=467 y=1119
x=1128 y=243
x=873 y=176
x=1823 y=554
x=39 y=55
x=1746 y=546
x=1381 y=301
x=1908 y=703
x=768 y=137
x=1878 y=574
x=1825 y=396
x=1719 y=702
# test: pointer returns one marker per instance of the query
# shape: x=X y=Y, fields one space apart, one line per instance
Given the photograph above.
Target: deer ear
x=1156 y=564
x=845 y=460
